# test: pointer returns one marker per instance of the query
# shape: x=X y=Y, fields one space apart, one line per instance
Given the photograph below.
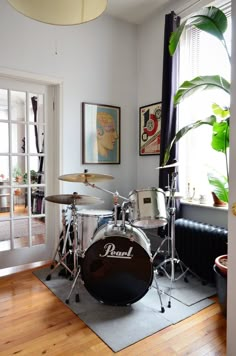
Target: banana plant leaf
x=207 y=82
x=182 y=132
x=209 y=19
x=220 y=186
x=220 y=136
x=223 y=113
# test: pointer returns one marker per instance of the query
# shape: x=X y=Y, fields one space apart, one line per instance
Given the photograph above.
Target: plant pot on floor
x=221 y=287
x=222 y=264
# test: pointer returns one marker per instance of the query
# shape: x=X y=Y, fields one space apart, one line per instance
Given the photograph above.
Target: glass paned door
x=24 y=116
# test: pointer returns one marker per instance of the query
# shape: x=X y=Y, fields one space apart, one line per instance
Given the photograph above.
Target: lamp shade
x=60 y=12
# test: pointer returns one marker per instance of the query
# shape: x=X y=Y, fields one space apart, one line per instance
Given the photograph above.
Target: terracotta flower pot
x=222 y=263
x=217 y=201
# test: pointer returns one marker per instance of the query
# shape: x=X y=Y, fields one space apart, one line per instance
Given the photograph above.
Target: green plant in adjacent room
x=33 y=177
x=17 y=174
x=213 y=21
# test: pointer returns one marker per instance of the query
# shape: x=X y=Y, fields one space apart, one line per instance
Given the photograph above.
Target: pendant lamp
x=60 y=12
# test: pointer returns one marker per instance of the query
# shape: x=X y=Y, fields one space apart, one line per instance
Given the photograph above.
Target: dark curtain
x=168 y=121
x=169 y=88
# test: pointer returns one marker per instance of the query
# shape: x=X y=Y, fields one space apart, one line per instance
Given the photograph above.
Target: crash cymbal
x=74 y=198
x=176 y=164
x=85 y=177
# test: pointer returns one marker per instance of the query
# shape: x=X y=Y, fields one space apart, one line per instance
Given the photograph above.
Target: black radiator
x=198 y=244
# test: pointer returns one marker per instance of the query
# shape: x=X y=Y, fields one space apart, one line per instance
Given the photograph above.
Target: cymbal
x=176 y=164
x=85 y=177
x=75 y=199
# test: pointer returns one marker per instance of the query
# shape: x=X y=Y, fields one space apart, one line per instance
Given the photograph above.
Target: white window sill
x=207 y=205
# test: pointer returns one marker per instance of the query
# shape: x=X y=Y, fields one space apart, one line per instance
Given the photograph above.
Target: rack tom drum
x=147 y=208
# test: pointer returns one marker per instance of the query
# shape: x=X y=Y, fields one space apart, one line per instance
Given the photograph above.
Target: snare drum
x=89 y=220
x=117 y=266
x=148 y=208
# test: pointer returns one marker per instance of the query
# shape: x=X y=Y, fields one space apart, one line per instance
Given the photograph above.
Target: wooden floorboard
x=35 y=322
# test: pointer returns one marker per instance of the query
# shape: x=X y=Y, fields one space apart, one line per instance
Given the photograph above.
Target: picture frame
x=100 y=134
x=150 y=129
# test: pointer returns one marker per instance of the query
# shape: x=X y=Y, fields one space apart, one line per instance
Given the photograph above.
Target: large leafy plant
x=213 y=21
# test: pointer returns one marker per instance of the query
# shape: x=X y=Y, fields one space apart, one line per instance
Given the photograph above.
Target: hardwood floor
x=34 y=322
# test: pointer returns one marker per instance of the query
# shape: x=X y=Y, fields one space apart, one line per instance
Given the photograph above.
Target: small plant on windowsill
x=214 y=22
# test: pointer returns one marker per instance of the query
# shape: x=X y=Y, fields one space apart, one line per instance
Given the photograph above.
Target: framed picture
x=149 y=129
x=100 y=134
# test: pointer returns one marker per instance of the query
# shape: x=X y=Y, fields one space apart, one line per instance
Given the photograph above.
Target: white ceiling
x=134 y=11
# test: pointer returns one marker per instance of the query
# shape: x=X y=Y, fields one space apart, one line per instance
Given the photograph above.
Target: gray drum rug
x=122 y=326
x=188 y=293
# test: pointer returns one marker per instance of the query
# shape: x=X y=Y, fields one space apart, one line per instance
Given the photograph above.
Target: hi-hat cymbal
x=85 y=177
x=176 y=164
x=75 y=199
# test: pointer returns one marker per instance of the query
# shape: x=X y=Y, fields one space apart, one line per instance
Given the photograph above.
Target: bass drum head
x=117 y=271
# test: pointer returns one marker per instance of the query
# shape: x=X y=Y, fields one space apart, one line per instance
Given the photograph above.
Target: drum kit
x=110 y=253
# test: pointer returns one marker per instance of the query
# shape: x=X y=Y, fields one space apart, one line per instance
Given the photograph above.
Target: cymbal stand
x=116 y=197
x=73 y=222
x=61 y=238
x=77 y=255
x=105 y=190
x=174 y=258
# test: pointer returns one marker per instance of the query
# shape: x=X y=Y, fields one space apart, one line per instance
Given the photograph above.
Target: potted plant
x=17 y=174
x=214 y=22
x=220 y=268
x=33 y=177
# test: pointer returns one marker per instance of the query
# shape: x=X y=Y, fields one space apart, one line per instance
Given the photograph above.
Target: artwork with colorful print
x=150 y=129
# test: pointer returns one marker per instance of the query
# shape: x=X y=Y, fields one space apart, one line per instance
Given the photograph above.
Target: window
x=201 y=54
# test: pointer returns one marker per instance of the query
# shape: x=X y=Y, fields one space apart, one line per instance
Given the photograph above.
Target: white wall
x=97 y=63
x=231 y=311
x=150 y=56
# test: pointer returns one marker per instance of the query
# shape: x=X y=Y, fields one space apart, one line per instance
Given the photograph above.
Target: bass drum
x=117 y=268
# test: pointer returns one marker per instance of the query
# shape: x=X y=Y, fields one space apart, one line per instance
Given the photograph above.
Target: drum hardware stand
x=159 y=292
x=116 y=194
x=174 y=258
x=123 y=209
x=74 y=249
x=61 y=238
